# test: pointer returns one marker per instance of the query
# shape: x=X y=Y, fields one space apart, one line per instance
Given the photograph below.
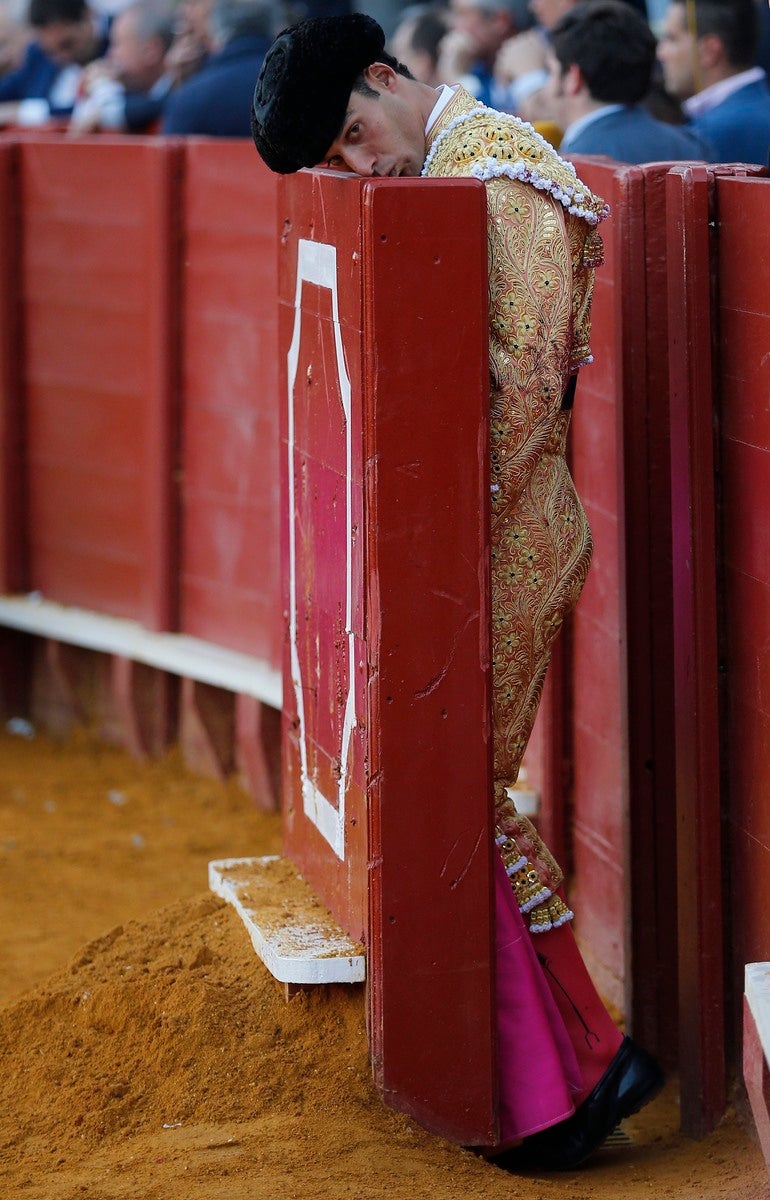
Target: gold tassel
x=549 y=916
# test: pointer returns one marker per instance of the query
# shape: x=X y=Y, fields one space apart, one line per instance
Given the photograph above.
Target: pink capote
x=555 y=1036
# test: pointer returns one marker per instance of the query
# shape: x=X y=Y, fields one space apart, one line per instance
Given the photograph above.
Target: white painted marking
x=757 y=987
x=177 y=653
x=317 y=263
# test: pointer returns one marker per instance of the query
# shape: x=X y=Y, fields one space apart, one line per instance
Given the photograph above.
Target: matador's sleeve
x=532 y=314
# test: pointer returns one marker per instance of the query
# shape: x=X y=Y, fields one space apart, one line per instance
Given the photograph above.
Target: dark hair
x=362 y=87
x=49 y=12
x=734 y=22
x=428 y=32
x=611 y=44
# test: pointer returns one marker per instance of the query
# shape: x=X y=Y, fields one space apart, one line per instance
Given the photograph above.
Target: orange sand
x=146 y=1053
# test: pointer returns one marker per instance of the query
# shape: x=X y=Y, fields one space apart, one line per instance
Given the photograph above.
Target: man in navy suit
x=67 y=35
x=127 y=90
x=217 y=101
x=602 y=60
x=711 y=67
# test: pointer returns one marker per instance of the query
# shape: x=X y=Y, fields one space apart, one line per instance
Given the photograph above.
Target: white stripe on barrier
x=317 y=263
x=757 y=986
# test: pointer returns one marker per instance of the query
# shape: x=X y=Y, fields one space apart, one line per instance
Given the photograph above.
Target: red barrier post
x=386 y=683
x=696 y=690
x=743 y=365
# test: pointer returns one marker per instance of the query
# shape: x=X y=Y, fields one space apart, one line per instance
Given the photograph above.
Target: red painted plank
x=101 y=356
x=13 y=568
x=600 y=781
x=427 y=512
x=230 y=591
x=696 y=724
x=744 y=329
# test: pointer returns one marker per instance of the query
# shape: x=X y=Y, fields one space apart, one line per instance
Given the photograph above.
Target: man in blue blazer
x=602 y=60
x=712 y=69
x=66 y=36
x=217 y=101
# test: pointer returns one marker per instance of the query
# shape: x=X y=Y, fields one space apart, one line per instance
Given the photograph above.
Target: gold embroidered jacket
x=543 y=247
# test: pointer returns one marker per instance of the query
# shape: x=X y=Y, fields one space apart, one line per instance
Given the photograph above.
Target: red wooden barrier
x=616 y=694
x=628 y=599
x=229 y=570
x=600 y=795
x=696 y=725
x=386 y=675
x=743 y=374
x=12 y=527
x=98 y=229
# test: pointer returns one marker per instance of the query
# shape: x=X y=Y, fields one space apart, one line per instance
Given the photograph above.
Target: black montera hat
x=304 y=87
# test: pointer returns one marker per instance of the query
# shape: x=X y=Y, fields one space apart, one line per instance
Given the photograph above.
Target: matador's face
x=383 y=133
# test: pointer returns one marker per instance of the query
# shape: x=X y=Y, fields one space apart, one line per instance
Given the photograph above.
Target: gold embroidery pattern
x=541 y=260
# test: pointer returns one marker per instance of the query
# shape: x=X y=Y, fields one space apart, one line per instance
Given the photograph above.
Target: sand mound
x=163 y=1063
x=169 y=1022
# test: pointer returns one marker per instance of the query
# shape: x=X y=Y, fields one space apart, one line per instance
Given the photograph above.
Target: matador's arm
x=539 y=295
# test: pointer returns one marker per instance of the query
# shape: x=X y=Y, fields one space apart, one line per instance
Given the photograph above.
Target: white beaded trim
x=571 y=199
x=460 y=119
x=543 y=894
x=562 y=920
x=490 y=168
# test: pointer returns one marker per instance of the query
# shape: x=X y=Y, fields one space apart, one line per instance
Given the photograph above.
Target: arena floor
x=147 y=1054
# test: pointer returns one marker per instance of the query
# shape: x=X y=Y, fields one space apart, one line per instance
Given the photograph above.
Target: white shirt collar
x=710 y=97
x=445 y=94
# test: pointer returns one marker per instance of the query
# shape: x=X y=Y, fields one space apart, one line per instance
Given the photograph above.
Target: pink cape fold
x=538 y=1071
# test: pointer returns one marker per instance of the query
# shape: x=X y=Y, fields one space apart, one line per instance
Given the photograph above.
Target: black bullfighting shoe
x=632 y=1079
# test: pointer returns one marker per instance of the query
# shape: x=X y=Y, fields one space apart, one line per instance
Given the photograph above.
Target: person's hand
x=9 y=113
x=457 y=53
x=92 y=74
x=185 y=56
x=86 y=120
x=541 y=106
x=519 y=55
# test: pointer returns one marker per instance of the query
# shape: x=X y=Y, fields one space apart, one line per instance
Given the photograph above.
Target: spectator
x=468 y=52
x=521 y=66
x=416 y=43
x=192 y=42
x=712 y=69
x=216 y=101
x=14 y=35
x=66 y=36
x=602 y=61
x=127 y=91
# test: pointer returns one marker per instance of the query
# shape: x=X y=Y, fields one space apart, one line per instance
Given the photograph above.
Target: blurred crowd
x=638 y=80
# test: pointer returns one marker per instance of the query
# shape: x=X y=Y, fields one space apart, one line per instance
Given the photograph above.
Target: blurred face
x=676 y=53
x=555 y=89
x=194 y=17
x=136 y=61
x=382 y=135
x=547 y=12
x=13 y=39
x=68 y=42
x=418 y=62
x=486 y=30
